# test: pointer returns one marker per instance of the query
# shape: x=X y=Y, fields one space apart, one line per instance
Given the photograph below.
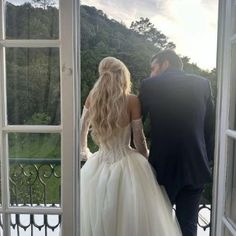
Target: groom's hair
x=170 y=56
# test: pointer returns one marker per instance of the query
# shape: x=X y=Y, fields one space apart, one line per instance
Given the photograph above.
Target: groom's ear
x=165 y=65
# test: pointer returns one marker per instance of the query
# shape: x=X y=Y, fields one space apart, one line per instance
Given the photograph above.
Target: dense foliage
x=33 y=74
x=101 y=36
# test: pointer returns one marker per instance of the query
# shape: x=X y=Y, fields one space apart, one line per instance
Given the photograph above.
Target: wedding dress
x=119 y=193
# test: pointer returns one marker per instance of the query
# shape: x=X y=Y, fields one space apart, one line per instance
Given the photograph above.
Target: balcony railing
x=34 y=182
x=30 y=185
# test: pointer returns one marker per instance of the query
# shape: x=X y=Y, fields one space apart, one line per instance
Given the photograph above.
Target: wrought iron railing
x=34 y=182
x=30 y=186
x=203 y=221
x=204 y=217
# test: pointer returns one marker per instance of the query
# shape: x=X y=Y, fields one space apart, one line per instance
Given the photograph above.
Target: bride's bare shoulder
x=134 y=106
x=133 y=99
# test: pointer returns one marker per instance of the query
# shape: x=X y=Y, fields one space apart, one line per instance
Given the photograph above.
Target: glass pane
x=1 y=225
x=227 y=232
x=33 y=86
x=35 y=19
x=233 y=22
x=35 y=169
x=232 y=110
x=35 y=225
x=0 y=184
x=230 y=202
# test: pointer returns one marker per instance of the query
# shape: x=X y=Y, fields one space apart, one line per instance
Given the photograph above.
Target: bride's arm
x=139 y=138
x=84 y=128
x=137 y=127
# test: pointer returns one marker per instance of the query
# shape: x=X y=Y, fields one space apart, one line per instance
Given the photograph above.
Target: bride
x=119 y=193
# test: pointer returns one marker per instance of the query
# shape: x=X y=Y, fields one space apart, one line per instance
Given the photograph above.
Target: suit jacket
x=181 y=113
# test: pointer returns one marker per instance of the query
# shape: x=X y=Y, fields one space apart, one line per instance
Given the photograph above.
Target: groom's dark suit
x=182 y=138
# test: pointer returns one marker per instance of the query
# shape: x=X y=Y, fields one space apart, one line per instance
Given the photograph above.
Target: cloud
x=21 y=2
x=127 y=10
x=190 y=24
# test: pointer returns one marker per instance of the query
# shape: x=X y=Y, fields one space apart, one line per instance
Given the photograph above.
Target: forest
x=101 y=37
x=33 y=74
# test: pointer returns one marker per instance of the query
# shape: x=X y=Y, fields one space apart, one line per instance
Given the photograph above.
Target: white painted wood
x=68 y=77
x=69 y=128
x=30 y=43
x=223 y=133
x=231 y=133
x=229 y=225
x=3 y=142
x=33 y=210
x=223 y=101
x=233 y=39
x=2 y=26
x=32 y=129
x=77 y=89
x=220 y=54
x=1 y=101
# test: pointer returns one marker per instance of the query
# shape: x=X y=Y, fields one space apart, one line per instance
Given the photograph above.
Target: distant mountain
x=101 y=37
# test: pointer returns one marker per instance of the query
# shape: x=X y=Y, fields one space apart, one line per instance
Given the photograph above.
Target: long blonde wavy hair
x=108 y=98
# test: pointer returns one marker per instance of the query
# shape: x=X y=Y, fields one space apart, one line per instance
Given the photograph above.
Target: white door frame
x=70 y=64
x=68 y=44
x=225 y=41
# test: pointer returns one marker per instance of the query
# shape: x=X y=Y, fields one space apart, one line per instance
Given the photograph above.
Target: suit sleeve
x=143 y=100
x=209 y=126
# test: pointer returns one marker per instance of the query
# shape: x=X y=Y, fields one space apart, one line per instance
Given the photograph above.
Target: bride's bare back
x=133 y=109
x=133 y=118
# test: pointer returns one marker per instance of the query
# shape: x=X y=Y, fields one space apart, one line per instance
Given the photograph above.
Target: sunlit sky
x=190 y=24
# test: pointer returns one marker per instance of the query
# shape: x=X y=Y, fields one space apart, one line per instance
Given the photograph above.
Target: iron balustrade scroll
x=34 y=183
x=32 y=174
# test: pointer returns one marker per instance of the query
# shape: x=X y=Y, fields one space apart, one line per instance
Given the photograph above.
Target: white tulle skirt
x=122 y=198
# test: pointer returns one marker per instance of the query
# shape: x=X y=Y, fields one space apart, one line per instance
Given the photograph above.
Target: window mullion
x=30 y=43
x=3 y=143
x=231 y=133
x=33 y=128
x=67 y=128
x=229 y=225
x=233 y=39
x=33 y=210
x=67 y=21
x=5 y=182
x=223 y=101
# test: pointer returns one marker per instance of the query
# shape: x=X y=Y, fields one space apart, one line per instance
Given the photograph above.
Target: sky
x=20 y=2
x=190 y=24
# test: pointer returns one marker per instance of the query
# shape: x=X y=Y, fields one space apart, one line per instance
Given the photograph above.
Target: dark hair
x=170 y=56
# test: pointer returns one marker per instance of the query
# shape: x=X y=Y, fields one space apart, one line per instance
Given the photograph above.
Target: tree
x=147 y=30
x=33 y=74
x=44 y=3
x=142 y=26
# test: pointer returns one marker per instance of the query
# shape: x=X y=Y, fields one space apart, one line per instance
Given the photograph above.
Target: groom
x=181 y=113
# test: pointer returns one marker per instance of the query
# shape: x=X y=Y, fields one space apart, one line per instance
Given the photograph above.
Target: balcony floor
x=204 y=217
